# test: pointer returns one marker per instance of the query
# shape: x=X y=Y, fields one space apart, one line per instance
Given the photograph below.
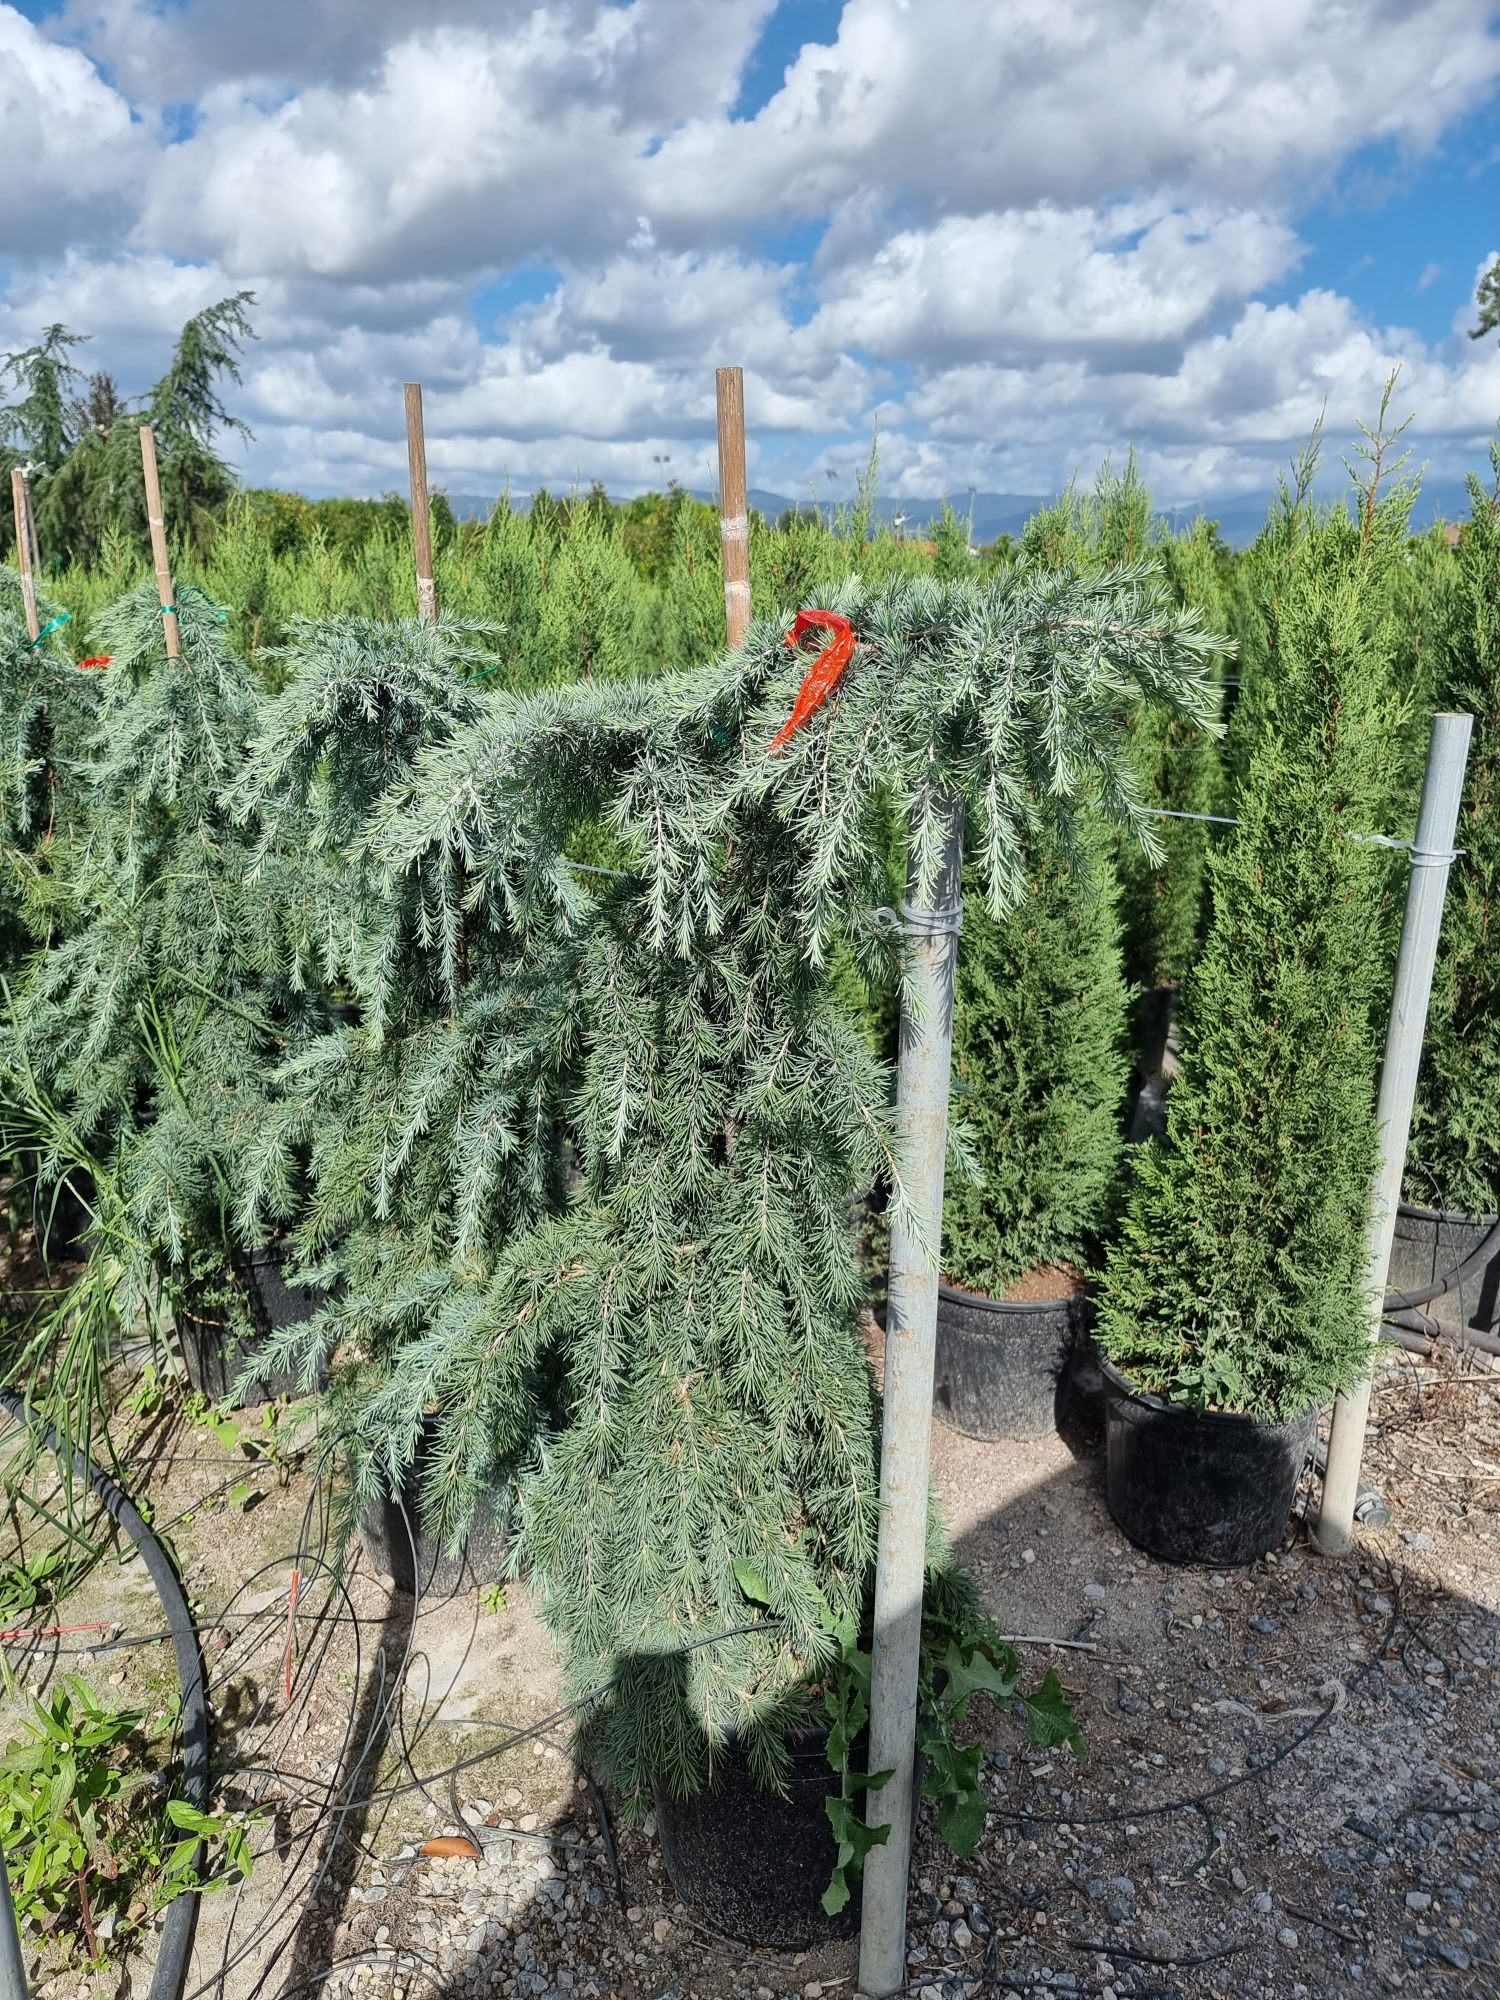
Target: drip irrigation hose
x=1468 y=1267
x=170 y=1973
x=1434 y=1333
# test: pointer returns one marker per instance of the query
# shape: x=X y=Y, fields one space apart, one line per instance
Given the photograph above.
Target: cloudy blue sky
x=1011 y=235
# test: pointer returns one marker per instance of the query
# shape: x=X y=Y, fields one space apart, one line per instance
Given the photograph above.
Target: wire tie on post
x=62 y=618
x=947 y=922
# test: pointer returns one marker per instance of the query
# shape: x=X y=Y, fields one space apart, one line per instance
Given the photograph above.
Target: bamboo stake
x=734 y=515
x=421 y=505
x=20 y=502
x=158 y=527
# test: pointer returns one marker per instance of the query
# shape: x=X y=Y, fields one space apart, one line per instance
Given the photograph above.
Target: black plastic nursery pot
x=60 y=1213
x=753 y=1864
x=214 y=1351
x=1429 y=1245
x=1199 y=1486
x=412 y=1560
x=1003 y=1365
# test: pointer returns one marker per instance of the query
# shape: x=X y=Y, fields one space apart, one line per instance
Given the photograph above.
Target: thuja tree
x=1237 y=1281
x=1455 y=1142
x=675 y=1350
x=1177 y=758
x=1039 y=1071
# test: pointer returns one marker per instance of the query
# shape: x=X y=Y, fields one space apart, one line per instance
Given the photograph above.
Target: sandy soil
x=1292 y=1788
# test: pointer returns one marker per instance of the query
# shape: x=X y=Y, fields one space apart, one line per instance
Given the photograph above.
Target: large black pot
x=1429 y=1244
x=214 y=1350
x=1003 y=1365
x=753 y=1863
x=399 y=1548
x=60 y=1212
x=1199 y=1486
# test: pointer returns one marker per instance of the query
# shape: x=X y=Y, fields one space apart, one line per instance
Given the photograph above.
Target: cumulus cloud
x=1011 y=234
x=1014 y=102
x=67 y=143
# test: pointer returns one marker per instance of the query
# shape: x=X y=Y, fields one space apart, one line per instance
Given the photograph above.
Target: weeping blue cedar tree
x=670 y=1357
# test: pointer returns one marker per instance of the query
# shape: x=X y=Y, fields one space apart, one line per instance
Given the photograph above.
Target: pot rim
x=1450 y=1215
x=959 y=1295
x=1149 y=1400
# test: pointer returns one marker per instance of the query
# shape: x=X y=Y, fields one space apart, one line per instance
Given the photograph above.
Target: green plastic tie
x=62 y=618
x=169 y=611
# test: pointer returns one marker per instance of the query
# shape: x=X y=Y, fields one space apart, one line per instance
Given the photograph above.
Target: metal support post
x=906 y=1437
x=1427 y=887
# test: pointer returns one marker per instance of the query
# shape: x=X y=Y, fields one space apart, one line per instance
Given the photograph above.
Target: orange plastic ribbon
x=825 y=672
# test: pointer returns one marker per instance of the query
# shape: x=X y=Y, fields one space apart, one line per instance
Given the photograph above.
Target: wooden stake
x=158 y=528
x=20 y=502
x=734 y=515
x=421 y=505
x=36 y=547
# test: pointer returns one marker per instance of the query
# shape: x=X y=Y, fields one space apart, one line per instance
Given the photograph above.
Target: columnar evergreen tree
x=1039 y=1072
x=1237 y=1282
x=1178 y=761
x=590 y=605
x=1455 y=1143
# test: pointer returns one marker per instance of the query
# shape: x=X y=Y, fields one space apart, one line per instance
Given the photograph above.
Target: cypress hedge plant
x=1237 y=1283
x=1455 y=1142
x=1039 y=1074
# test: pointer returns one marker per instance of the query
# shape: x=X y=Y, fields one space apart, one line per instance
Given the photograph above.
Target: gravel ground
x=1291 y=1790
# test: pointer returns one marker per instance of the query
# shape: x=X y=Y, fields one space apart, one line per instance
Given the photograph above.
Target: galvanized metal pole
x=1427 y=887
x=906 y=1436
x=12 y=1963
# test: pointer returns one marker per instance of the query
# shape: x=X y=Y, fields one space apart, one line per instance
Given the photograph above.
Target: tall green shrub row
x=1039 y=1071
x=1237 y=1280
x=1455 y=1146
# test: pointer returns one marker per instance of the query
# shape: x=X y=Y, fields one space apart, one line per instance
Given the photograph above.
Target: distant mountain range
x=1240 y=517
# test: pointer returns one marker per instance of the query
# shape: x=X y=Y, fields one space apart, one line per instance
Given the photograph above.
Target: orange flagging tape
x=823 y=675
x=291 y=1628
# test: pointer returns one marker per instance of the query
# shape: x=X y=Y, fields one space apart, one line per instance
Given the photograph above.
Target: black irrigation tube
x=170 y=1973
x=1467 y=1267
